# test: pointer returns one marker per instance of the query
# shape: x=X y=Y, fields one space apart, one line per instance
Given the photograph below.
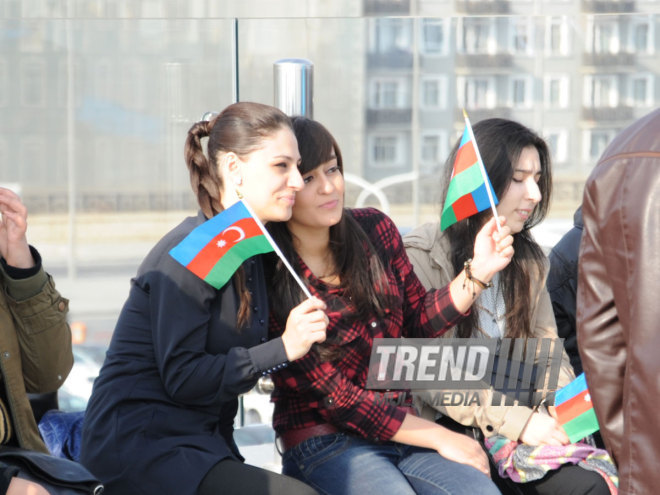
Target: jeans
x=344 y=464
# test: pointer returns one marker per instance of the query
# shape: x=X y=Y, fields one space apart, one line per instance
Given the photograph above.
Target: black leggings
x=230 y=477
x=567 y=480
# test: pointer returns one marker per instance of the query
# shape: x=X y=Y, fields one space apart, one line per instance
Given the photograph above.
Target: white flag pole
x=484 y=175
x=276 y=248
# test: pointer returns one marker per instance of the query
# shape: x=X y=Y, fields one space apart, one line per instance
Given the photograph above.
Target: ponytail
x=204 y=178
x=206 y=183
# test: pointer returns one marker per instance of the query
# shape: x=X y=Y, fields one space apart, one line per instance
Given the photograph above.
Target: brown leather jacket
x=618 y=316
x=35 y=351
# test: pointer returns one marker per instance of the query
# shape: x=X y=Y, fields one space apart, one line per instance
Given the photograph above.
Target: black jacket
x=562 y=286
x=162 y=409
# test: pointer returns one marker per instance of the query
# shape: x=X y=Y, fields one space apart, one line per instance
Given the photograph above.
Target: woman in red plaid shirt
x=338 y=436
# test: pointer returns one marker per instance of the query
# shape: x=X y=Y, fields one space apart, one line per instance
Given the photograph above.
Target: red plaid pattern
x=312 y=391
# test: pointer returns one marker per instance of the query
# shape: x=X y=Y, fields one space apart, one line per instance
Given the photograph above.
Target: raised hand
x=305 y=325
x=13 y=242
x=493 y=250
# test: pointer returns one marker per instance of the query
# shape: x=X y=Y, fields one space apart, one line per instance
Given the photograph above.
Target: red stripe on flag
x=209 y=255
x=574 y=406
x=465 y=158
x=464 y=207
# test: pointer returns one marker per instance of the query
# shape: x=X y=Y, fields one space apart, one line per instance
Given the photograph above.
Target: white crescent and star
x=241 y=236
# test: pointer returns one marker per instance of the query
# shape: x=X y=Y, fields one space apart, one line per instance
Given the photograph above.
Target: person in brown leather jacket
x=618 y=310
x=35 y=340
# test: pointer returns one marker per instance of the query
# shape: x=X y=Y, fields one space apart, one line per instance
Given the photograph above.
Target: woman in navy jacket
x=160 y=419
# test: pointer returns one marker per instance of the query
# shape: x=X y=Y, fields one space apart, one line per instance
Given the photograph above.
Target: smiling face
x=269 y=176
x=320 y=203
x=523 y=194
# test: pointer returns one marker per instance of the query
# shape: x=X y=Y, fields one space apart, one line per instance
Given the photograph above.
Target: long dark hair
x=362 y=277
x=500 y=143
x=240 y=128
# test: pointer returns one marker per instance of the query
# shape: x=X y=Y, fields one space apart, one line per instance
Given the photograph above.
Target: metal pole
x=294 y=86
x=414 y=129
x=234 y=62
x=71 y=145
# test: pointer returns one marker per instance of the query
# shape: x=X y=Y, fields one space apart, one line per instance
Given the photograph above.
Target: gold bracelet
x=468 y=274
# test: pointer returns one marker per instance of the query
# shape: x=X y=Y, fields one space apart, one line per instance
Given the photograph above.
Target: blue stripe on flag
x=201 y=235
x=574 y=388
x=466 y=137
x=480 y=197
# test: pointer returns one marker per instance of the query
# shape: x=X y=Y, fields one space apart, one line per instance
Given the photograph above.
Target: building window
x=641 y=33
x=33 y=83
x=558 y=143
x=387 y=93
x=475 y=35
x=556 y=39
x=521 y=36
x=476 y=92
x=434 y=36
x=521 y=92
x=556 y=91
x=597 y=142
x=385 y=150
x=601 y=91
x=434 y=92
x=603 y=37
x=434 y=147
x=641 y=94
x=390 y=34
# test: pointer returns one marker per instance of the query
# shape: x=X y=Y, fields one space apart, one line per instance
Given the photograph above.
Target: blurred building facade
x=96 y=96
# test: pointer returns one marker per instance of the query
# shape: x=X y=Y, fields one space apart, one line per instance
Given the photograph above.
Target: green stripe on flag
x=464 y=183
x=226 y=266
x=448 y=218
x=581 y=426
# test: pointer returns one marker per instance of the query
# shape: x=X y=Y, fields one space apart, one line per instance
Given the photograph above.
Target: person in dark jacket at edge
x=562 y=287
x=35 y=341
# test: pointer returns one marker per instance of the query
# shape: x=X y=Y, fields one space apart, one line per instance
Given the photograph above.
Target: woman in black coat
x=160 y=419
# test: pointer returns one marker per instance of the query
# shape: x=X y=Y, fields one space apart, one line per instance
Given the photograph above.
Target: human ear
x=230 y=168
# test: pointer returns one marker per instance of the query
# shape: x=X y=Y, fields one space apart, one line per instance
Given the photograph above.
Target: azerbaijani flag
x=215 y=249
x=575 y=410
x=470 y=190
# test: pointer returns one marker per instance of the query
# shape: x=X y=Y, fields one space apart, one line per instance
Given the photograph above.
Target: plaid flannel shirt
x=313 y=391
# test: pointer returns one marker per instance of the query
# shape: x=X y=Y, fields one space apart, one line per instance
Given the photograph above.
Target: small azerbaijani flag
x=215 y=249
x=575 y=409
x=470 y=190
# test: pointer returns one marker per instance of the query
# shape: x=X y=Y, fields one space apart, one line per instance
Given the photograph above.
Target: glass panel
x=96 y=98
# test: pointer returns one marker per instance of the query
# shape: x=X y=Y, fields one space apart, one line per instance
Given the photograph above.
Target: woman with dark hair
x=518 y=164
x=160 y=419
x=338 y=436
